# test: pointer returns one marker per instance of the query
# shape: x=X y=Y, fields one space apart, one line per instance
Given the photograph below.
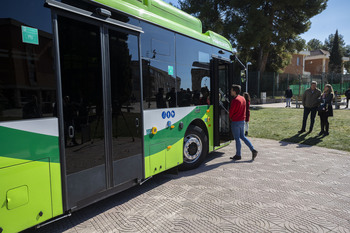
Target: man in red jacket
x=237 y=116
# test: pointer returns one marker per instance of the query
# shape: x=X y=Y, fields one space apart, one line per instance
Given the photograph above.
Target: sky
x=335 y=16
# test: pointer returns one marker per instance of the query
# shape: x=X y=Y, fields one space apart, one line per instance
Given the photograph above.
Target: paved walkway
x=283 y=105
x=272 y=105
x=289 y=188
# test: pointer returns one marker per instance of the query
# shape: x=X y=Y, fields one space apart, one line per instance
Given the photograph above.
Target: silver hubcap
x=192 y=148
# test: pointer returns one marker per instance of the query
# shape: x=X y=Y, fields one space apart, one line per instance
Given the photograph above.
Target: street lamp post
x=246 y=84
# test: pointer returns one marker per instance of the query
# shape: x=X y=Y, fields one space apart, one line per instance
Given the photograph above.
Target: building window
x=298 y=61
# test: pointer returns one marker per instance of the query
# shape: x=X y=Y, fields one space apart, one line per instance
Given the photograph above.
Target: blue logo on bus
x=168 y=114
x=163 y=114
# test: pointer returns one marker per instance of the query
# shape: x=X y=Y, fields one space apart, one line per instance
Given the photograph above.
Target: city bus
x=97 y=96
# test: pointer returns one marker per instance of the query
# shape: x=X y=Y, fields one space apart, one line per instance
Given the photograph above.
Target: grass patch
x=283 y=125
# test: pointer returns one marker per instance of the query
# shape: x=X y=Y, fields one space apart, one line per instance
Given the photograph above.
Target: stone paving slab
x=288 y=188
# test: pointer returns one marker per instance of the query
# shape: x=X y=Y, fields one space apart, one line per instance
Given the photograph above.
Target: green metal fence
x=275 y=84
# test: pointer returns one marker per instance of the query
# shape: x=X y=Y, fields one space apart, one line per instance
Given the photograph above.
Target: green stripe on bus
x=25 y=145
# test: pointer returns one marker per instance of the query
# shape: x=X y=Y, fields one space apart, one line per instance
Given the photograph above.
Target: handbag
x=322 y=108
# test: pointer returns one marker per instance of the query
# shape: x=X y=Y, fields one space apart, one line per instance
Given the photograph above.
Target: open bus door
x=222 y=73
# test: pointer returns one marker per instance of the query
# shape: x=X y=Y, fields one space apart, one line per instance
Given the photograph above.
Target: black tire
x=195 y=148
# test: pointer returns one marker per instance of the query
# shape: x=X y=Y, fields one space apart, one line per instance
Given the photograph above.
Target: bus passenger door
x=101 y=105
x=126 y=116
x=84 y=118
x=222 y=81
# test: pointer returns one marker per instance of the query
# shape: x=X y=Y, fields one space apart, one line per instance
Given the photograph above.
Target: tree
x=345 y=50
x=272 y=27
x=314 y=44
x=335 y=59
x=261 y=30
x=328 y=43
x=347 y=54
x=209 y=12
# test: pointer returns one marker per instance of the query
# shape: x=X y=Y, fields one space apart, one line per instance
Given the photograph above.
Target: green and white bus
x=97 y=96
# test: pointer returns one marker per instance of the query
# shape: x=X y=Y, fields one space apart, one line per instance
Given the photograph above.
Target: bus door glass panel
x=224 y=101
x=82 y=96
x=126 y=106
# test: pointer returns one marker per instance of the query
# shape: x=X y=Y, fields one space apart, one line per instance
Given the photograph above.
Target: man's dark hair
x=236 y=88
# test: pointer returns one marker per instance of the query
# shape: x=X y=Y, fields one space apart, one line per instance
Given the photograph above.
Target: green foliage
x=347 y=54
x=262 y=31
x=328 y=43
x=209 y=12
x=345 y=49
x=335 y=59
x=314 y=44
x=300 y=44
x=277 y=60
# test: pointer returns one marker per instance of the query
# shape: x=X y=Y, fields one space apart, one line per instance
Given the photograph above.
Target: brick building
x=297 y=64
x=317 y=62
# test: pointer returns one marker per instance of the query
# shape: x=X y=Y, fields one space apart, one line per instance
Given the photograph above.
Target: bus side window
x=193 y=74
x=158 y=67
x=27 y=83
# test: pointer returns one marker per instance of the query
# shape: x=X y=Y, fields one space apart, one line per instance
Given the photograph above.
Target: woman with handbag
x=325 y=110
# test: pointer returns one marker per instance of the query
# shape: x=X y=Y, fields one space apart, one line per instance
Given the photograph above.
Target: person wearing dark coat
x=347 y=94
x=288 y=94
x=325 y=109
x=310 y=102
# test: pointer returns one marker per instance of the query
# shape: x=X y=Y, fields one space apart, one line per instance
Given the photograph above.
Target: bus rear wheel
x=195 y=148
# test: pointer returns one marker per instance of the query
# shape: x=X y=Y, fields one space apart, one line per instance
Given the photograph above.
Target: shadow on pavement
x=302 y=140
x=109 y=203
x=204 y=167
x=243 y=161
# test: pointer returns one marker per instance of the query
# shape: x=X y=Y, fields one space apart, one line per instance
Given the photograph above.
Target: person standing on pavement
x=310 y=103
x=326 y=110
x=247 y=113
x=288 y=94
x=347 y=94
x=237 y=116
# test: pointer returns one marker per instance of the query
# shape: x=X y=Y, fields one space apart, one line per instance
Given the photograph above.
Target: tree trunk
x=262 y=60
x=264 y=46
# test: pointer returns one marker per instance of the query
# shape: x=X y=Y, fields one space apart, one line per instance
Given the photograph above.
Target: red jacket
x=238 y=109
x=247 y=113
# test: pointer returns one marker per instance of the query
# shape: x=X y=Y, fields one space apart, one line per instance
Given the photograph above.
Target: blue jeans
x=306 y=115
x=237 y=128
x=288 y=100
